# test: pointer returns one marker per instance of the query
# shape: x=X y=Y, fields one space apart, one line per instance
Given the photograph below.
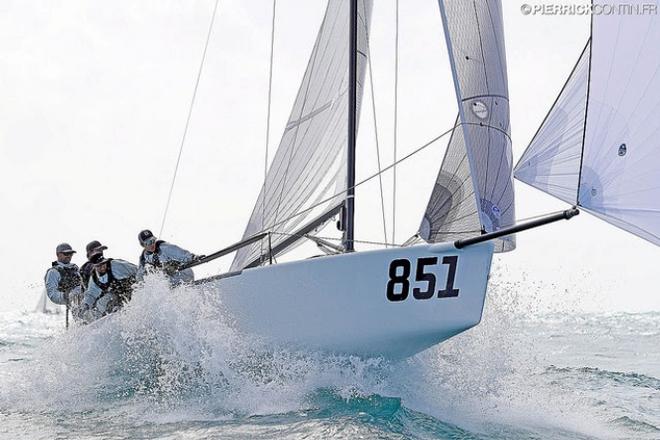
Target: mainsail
x=310 y=163
x=603 y=153
x=478 y=161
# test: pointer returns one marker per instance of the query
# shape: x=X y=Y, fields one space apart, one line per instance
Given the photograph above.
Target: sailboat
x=597 y=146
x=44 y=305
x=397 y=301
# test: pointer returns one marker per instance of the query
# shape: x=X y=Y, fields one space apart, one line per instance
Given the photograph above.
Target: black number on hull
x=401 y=279
x=449 y=290
x=428 y=277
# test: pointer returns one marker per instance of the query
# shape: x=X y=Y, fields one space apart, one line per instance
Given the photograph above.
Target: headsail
x=451 y=213
x=474 y=34
x=310 y=164
x=551 y=163
x=618 y=173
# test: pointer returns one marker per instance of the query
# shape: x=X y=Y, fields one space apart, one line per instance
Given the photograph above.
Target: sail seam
x=489 y=126
x=486 y=95
x=308 y=116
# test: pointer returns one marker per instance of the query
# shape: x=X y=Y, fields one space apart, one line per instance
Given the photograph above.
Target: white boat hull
x=373 y=303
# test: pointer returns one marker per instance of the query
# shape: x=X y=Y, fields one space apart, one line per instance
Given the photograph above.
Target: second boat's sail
x=598 y=146
x=552 y=161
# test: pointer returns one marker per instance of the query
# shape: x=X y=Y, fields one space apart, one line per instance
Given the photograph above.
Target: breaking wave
x=172 y=360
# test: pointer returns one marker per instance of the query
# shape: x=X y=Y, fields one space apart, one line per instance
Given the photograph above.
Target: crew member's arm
x=141 y=272
x=76 y=292
x=123 y=269
x=52 y=287
x=175 y=253
x=92 y=293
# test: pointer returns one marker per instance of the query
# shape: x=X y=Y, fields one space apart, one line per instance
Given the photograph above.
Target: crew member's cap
x=97 y=259
x=145 y=237
x=64 y=248
x=94 y=247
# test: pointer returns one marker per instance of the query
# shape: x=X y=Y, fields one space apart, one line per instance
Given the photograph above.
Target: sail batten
x=606 y=161
x=309 y=165
x=478 y=161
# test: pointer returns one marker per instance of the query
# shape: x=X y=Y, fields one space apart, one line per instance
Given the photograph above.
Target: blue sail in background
x=599 y=146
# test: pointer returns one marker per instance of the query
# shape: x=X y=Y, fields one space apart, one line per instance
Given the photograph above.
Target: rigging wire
x=338 y=239
x=270 y=89
x=190 y=109
x=396 y=115
x=365 y=180
x=373 y=106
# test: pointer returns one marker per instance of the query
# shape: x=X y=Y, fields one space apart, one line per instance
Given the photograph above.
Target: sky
x=95 y=96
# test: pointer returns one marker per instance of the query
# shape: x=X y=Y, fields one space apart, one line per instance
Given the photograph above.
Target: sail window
x=623 y=150
x=479 y=109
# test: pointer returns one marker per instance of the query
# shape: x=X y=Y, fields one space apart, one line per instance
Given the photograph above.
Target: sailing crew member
x=93 y=247
x=62 y=279
x=169 y=258
x=110 y=286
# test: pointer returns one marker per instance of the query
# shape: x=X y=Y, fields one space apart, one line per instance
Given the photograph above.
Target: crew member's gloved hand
x=84 y=307
x=171 y=267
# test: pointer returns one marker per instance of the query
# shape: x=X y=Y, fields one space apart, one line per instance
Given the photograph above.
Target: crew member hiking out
x=110 y=286
x=161 y=255
x=62 y=279
x=93 y=247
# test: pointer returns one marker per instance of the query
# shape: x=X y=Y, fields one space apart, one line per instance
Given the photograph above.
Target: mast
x=352 y=103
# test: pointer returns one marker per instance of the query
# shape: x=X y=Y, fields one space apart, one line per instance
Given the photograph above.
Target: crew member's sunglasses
x=149 y=241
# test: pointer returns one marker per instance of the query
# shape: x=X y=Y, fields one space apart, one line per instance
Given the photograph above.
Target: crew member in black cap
x=62 y=279
x=169 y=258
x=93 y=247
x=110 y=286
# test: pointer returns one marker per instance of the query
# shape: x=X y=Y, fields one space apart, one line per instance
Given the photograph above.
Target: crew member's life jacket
x=121 y=288
x=69 y=278
x=155 y=259
x=86 y=273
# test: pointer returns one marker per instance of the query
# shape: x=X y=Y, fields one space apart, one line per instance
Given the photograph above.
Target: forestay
x=310 y=163
x=618 y=176
x=474 y=34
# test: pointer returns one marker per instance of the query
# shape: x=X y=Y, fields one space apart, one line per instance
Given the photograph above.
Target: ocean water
x=170 y=366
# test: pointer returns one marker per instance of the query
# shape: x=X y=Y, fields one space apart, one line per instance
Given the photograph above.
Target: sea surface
x=170 y=366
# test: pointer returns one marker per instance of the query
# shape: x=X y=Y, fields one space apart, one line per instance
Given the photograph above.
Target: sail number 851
x=398 y=287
